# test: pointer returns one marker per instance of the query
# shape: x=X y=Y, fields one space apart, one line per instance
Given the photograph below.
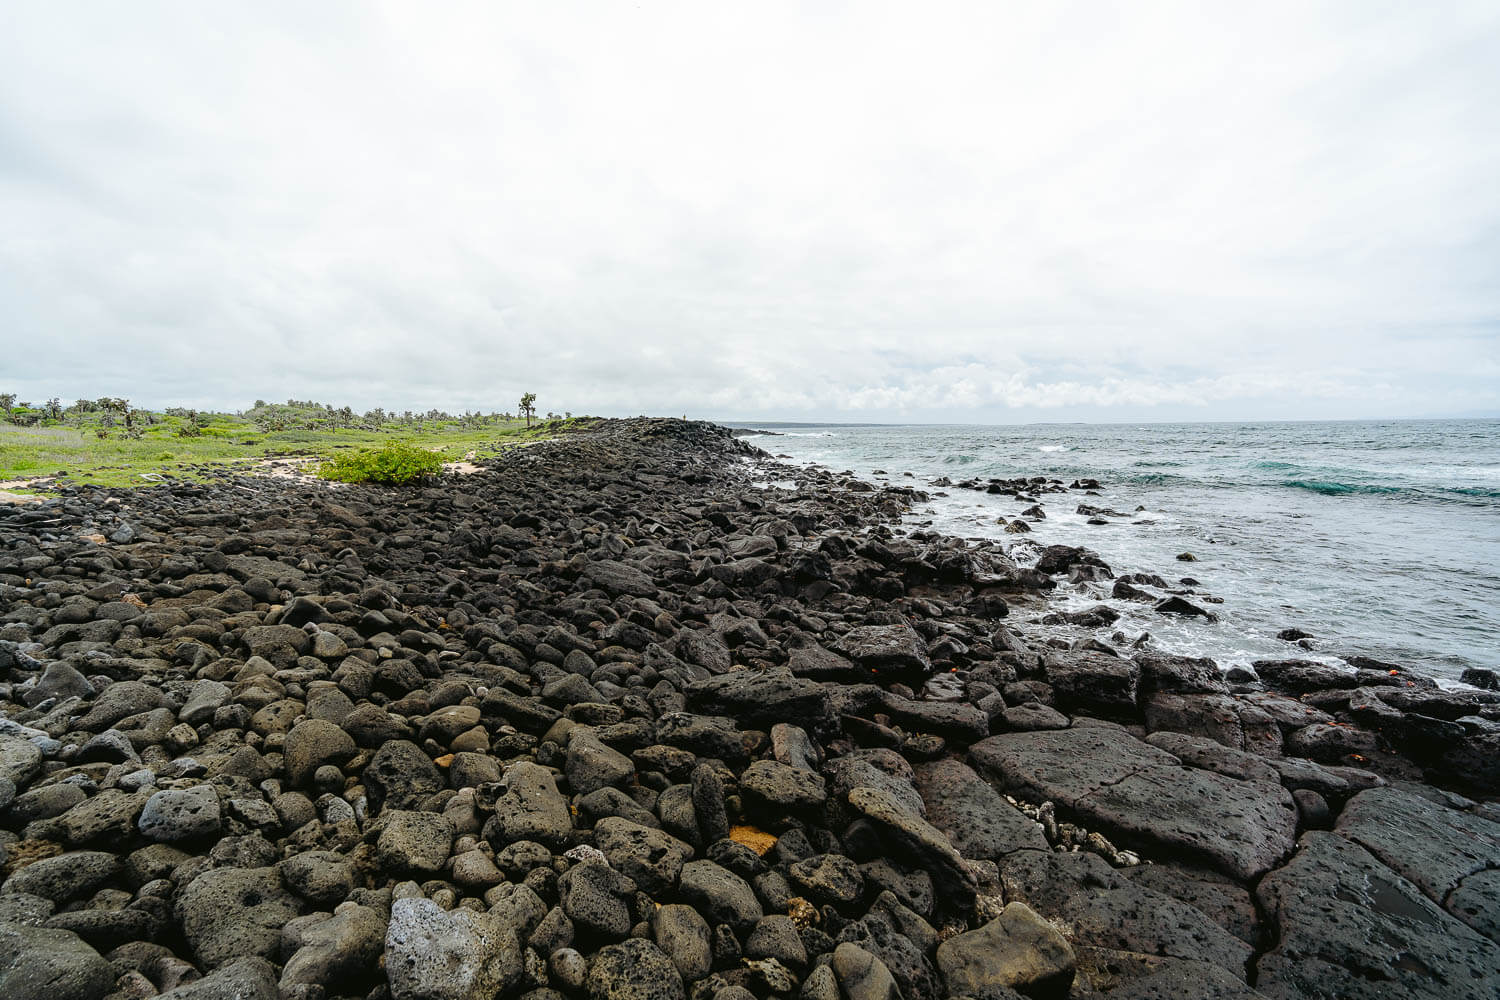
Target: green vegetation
x=108 y=442
x=394 y=464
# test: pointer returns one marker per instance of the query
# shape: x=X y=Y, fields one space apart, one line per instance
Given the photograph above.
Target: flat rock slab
x=1436 y=848
x=1106 y=912
x=976 y=818
x=1135 y=792
x=754 y=698
x=1351 y=928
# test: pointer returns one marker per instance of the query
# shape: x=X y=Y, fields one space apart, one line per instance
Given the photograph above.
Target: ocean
x=1379 y=538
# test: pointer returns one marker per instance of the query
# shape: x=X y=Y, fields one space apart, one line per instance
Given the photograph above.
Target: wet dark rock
x=1093 y=682
x=887 y=652
x=1111 y=914
x=1140 y=794
x=761 y=700
x=1062 y=558
x=976 y=819
x=1348 y=926
x=1180 y=674
x=1183 y=608
x=1434 y=847
x=1482 y=678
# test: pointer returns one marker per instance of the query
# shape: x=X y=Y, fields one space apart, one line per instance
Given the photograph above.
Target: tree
x=528 y=406
x=7 y=400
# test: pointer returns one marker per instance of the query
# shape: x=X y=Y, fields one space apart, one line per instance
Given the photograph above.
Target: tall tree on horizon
x=528 y=406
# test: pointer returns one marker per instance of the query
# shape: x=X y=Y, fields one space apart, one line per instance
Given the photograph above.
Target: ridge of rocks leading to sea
x=611 y=719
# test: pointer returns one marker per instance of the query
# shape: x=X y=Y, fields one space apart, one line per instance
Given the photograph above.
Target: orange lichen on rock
x=752 y=837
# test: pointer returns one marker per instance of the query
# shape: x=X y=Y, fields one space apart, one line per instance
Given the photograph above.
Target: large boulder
x=344 y=947
x=38 y=963
x=1113 y=782
x=401 y=776
x=887 y=652
x=311 y=744
x=760 y=700
x=633 y=970
x=531 y=808
x=1017 y=950
x=176 y=814
x=229 y=913
x=459 y=954
x=1093 y=682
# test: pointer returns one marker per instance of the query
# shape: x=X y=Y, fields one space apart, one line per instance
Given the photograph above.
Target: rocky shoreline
x=607 y=720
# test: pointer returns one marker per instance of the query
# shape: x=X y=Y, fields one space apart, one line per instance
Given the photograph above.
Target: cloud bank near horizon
x=960 y=212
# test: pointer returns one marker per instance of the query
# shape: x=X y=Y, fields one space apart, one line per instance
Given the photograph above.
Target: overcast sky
x=988 y=211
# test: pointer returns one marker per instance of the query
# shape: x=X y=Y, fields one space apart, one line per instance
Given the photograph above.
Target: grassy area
x=97 y=447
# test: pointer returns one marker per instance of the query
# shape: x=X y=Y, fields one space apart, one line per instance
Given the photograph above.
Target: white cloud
x=926 y=211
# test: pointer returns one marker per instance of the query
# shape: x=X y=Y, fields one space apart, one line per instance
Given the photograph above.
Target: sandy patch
x=6 y=497
x=464 y=468
x=286 y=468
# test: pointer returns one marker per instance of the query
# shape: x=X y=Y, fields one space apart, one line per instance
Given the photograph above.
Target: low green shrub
x=394 y=464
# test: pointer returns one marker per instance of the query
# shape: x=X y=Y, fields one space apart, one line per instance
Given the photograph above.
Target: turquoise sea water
x=1379 y=538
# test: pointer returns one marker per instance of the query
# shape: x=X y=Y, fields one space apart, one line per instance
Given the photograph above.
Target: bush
x=394 y=464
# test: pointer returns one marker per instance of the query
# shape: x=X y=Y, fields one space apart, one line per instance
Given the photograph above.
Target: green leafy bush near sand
x=396 y=464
